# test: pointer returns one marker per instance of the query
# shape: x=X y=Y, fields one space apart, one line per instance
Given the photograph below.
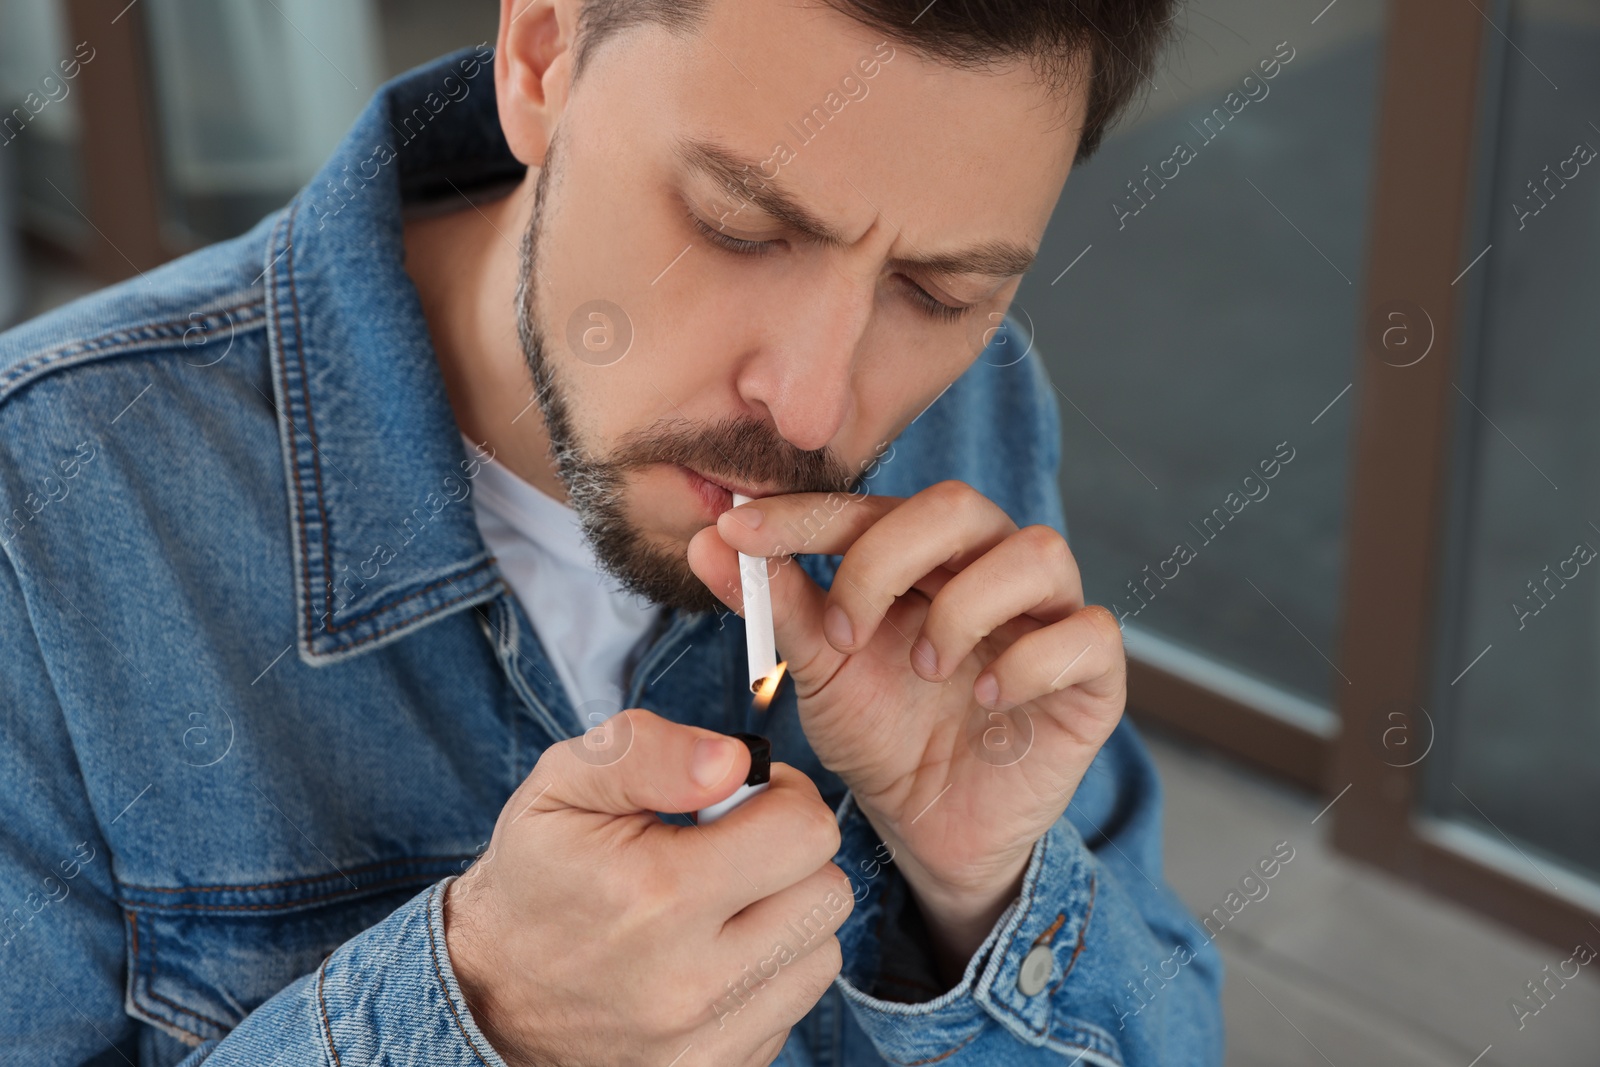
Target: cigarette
x=755 y=781
x=760 y=645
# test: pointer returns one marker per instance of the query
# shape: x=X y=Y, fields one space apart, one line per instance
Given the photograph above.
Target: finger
x=635 y=761
x=1031 y=573
x=948 y=525
x=798 y=918
x=761 y=1056
x=802 y=523
x=802 y=983
x=797 y=604
x=766 y=995
x=1084 y=650
x=769 y=1051
x=768 y=844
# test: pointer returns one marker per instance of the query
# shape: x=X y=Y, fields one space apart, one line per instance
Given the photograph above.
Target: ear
x=532 y=72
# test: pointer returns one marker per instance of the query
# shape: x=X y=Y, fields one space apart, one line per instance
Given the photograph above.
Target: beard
x=741 y=449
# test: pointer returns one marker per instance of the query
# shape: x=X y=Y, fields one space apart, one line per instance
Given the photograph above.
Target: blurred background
x=1317 y=314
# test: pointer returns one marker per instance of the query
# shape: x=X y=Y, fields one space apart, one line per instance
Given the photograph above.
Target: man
x=412 y=506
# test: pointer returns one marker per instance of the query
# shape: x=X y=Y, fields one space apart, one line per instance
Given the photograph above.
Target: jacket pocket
x=200 y=959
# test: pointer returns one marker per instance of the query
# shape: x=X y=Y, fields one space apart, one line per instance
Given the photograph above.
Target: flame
x=767 y=688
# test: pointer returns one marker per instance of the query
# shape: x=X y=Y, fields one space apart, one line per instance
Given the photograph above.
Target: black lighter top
x=760 y=758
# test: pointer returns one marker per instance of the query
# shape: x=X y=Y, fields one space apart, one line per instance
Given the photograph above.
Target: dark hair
x=1119 y=39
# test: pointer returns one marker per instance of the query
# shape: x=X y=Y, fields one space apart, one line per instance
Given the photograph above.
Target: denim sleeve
x=387 y=996
x=1081 y=968
x=61 y=949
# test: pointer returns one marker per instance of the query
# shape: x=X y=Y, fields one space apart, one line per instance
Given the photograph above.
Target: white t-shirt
x=589 y=626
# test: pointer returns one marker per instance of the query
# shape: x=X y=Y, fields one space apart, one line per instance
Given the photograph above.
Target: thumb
x=637 y=761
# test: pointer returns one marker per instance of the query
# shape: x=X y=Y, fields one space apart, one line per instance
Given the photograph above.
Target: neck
x=464 y=265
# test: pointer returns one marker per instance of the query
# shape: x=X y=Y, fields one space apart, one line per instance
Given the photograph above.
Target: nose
x=804 y=371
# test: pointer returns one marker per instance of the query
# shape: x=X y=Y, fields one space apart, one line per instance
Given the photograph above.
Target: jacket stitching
x=316 y=461
x=291 y=904
x=419 y=592
x=947 y=1054
x=433 y=947
x=1051 y=930
x=153 y=995
x=304 y=400
x=111 y=343
x=1084 y=1050
x=1005 y=1004
x=133 y=927
x=413 y=618
x=294 y=431
x=289 y=881
x=327 y=1026
x=1083 y=932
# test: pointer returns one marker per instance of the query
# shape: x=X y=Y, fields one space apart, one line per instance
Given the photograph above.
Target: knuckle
x=769 y=1052
x=961 y=499
x=812 y=976
x=1049 y=545
x=662 y=885
x=649 y=892
x=830 y=958
x=555 y=764
x=674 y=1009
x=842 y=886
x=949 y=622
x=822 y=831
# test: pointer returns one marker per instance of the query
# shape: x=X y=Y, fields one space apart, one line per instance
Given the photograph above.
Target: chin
x=651 y=560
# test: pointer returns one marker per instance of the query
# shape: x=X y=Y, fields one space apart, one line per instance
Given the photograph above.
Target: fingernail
x=836 y=624
x=747 y=514
x=713 y=756
x=986 y=689
x=923 y=655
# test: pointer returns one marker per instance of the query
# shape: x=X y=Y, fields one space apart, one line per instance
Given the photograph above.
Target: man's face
x=770 y=360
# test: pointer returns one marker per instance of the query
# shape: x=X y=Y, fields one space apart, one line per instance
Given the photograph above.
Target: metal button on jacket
x=1035 y=972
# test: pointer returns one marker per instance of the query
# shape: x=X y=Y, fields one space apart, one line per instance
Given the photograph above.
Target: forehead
x=856 y=124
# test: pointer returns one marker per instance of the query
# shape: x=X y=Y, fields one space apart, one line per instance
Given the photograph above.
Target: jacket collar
x=379 y=485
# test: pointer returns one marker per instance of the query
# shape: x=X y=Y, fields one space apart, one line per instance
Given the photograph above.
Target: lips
x=716 y=495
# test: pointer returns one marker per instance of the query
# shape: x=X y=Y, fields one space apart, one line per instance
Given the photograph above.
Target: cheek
x=899 y=386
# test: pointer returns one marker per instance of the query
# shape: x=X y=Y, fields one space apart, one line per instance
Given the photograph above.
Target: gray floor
x=1342 y=964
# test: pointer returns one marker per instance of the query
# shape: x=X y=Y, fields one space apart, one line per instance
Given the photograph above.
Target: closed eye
x=924 y=300
x=732 y=244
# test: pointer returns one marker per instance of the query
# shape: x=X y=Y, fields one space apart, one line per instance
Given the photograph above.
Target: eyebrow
x=741 y=178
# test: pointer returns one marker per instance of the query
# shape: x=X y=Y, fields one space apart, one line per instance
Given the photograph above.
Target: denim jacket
x=263 y=691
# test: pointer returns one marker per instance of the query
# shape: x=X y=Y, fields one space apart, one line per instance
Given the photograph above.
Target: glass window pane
x=1197 y=305
x=39 y=122
x=1519 y=674
x=247 y=120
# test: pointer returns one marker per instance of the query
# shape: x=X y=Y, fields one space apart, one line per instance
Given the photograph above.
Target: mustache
x=740 y=449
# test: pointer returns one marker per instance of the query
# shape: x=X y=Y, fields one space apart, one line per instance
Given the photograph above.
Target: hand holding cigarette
x=951 y=675
x=589 y=930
